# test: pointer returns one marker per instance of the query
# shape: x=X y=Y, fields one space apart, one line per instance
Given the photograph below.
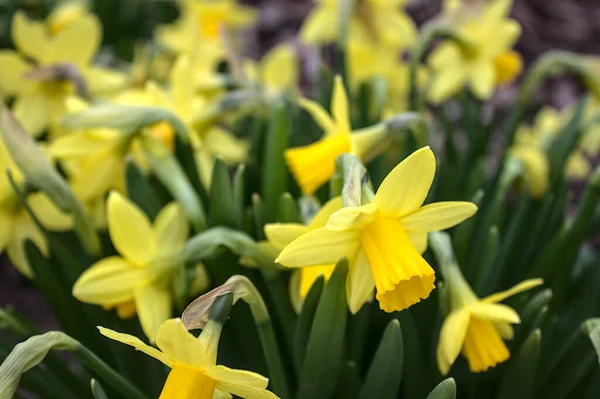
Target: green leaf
x=288 y=210
x=140 y=191
x=305 y=320
x=185 y=155
x=29 y=354
x=385 y=374
x=348 y=385
x=325 y=349
x=445 y=390
x=274 y=176
x=97 y=390
x=239 y=193
x=223 y=209
x=592 y=328
x=520 y=377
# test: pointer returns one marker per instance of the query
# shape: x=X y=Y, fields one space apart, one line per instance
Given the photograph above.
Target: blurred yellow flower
x=279 y=235
x=377 y=21
x=16 y=225
x=201 y=21
x=278 y=71
x=61 y=67
x=139 y=278
x=384 y=240
x=485 y=59
x=314 y=164
x=477 y=326
x=193 y=363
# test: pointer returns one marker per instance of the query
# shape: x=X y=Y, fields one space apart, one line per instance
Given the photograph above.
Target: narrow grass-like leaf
x=140 y=191
x=274 y=176
x=305 y=321
x=445 y=390
x=519 y=379
x=223 y=208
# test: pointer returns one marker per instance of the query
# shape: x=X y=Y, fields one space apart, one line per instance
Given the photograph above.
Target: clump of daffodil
x=62 y=52
x=138 y=279
x=314 y=164
x=193 y=362
x=377 y=21
x=476 y=327
x=279 y=235
x=483 y=59
x=183 y=101
x=383 y=240
x=203 y=21
x=16 y=225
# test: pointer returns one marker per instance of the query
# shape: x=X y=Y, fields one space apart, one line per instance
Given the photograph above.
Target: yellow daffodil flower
x=183 y=101
x=279 y=235
x=61 y=67
x=314 y=164
x=485 y=60
x=202 y=21
x=476 y=326
x=277 y=71
x=138 y=279
x=377 y=21
x=16 y=225
x=65 y=15
x=384 y=240
x=193 y=363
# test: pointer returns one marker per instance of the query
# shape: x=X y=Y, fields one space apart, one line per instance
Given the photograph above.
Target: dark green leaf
x=520 y=377
x=305 y=320
x=445 y=390
x=223 y=209
x=140 y=191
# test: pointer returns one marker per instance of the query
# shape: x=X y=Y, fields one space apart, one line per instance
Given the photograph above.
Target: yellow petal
x=245 y=384
x=182 y=88
x=405 y=188
x=79 y=145
x=33 y=111
x=137 y=344
x=352 y=218
x=319 y=247
x=321 y=26
x=339 y=107
x=364 y=141
x=11 y=74
x=419 y=240
x=507 y=66
x=29 y=37
x=319 y=115
x=5 y=228
x=360 y=283
x=308 y=275
x=101 y=172
x=110 y=281
x=452 y=337
x=177 y=343
x=281 y=234
x=494 y=312
x=129 y=229
x=322 y=217
x=505 y=330
x=77 y=43
x=537 y=166
x=279 y=68
x=50 y=216
x=314 y=164
x=438 y=216
x=220 y=142
x=483 y=346
x=447 y=83
x=105 y=81
x=521 y=287
x=153 y=304
x=126 y=310
x=24 y=229
x=483 y=78
x=187 y=383
x=402 y=277
x=171 y=229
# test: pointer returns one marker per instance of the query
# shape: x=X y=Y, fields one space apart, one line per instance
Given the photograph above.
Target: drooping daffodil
x=138 y=279
x=313 y=165
x=62 y=56
x=193 y=362
x=484 y=59
x=476 y=327
x=279 y=235
x=16 y=225
x=376 y=21
x=383 y=240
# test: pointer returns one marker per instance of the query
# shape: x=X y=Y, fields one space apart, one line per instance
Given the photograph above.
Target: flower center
x=402 y=277
x=185 y=382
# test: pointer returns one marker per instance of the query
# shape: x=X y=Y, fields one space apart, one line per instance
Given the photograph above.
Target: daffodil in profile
x=484 y=59
x=193 y=362
x=279 y=235
x=62 y=53
x=16 y=225
x=476 y=327
x=383 y=240
x=314 y=164
x=138 y=279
